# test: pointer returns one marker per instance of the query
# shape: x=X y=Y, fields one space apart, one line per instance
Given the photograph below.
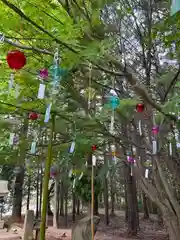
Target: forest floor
x=149 y=229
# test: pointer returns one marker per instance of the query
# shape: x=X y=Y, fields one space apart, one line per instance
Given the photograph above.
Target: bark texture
x=82 y=230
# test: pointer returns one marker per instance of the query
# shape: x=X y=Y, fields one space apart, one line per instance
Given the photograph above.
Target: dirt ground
x=149 y=229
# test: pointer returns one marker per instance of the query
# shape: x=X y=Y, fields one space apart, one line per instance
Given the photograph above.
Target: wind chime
x=33 y=116
x=53 y=171
x=72 y=151
x=140 y=108
x=175 y=7
x=147 y=166
x=73 y=144
x=56 y=73
x=34 y=143
x=43 y=75
x=155 y=131
x=16 y=60
x=114 y=103
x=14 y=140
x=131 y=161
x=113 y=153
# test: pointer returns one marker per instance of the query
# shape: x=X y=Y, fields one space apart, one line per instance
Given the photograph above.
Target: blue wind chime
x=114 y=103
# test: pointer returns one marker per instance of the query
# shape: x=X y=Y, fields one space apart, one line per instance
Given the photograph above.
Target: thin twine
x=113 y=110
x=113 y=117
x=89 y=87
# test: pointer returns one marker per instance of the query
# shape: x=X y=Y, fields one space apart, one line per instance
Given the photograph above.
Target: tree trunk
x=101 y=202
x=62 y=200
x=18 y=193
x=133 y=218
x=126 y=204
x=96 y=204
x=112 y=194
x=73 y=207
x=82 y=230
x=106 y=202
x=145 y=207
x=160 y=218
x=78 y=207
x=66 y=209
x=29 y=191
x=172 y=224
x=55 y=212
x=18 y=187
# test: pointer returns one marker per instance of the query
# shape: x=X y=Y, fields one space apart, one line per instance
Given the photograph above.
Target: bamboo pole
x=46 y=183
x=92 y=202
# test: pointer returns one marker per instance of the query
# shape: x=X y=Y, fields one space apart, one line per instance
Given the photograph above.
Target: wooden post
x=46 y=183
x=28 y=225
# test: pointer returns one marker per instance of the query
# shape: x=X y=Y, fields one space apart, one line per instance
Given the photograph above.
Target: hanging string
x=113 y=112
x=15 y=84
x=93 y=157
x=154 y=142
x=89 y=87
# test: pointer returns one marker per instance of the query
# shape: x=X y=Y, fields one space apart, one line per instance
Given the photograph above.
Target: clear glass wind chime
x=72 y=151
x=73 y=144
x=155 y=131
x=56 y=76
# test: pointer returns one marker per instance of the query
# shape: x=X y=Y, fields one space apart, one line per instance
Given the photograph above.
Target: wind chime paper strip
x=74 y=182
x=154 y=145
x=131 y=170
x=56 y=77
x=11 y=138
x=140 y=129
x=112 y=124
x=71 y=150
x=48 y=113
x=11 y=82
x=94 y=160
x=146 y=173
x=70 y=173
x=170 y=149
x=81 y=176
x=41 y=92
x=33 y=147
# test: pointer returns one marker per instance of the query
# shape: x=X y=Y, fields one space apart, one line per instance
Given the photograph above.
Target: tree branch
x=21 y=14
x=35 y=49
x=138 y=88
x=173 y=82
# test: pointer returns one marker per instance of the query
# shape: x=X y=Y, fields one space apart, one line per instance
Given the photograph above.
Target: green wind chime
x=175 y=7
